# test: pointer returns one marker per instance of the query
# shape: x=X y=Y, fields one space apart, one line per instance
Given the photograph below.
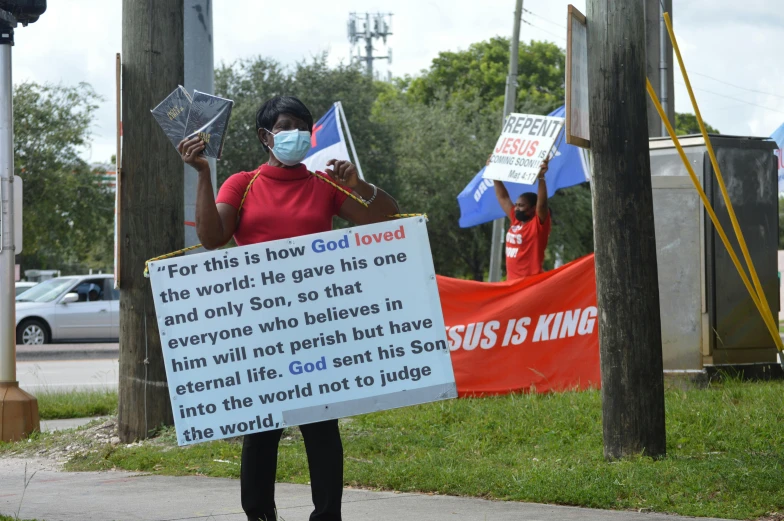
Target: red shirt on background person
x=284 y=201
x=527 y=237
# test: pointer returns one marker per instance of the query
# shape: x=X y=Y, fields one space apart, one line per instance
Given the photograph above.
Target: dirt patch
x=60 y=446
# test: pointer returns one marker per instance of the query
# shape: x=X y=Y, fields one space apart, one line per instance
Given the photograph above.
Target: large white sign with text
x=301 y=330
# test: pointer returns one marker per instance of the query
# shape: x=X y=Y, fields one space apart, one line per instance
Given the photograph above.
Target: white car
x=69 y=309
x=21 y=287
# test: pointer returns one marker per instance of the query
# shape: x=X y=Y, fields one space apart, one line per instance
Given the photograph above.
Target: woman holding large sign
x=279 y=200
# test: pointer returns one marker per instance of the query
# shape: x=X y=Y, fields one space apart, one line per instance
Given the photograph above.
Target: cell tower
x=364 y=28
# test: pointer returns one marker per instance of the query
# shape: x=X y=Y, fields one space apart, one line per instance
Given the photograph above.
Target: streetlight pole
x=7 y=303
x=510 y=98
x=18 y=409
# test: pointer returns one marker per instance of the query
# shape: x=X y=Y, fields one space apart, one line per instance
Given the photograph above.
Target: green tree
x=571 y=236
x=480 y=73
x=68 y=213
x=687 y=124
x=437 y=153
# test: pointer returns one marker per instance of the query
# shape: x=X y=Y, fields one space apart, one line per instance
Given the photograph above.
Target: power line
x=734 y=99
x=695 y=73
x=738 y=86
x=543 y=30
x=728 y=83
x=545 y=19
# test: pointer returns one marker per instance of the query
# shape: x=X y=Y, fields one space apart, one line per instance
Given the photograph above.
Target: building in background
x=109 y=179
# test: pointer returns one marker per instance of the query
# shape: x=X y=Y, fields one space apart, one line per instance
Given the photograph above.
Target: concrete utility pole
x=659 y=64
x=627 y=287
x=18 y=409
x=510 y=98
x=199 y=75
x=151 y=205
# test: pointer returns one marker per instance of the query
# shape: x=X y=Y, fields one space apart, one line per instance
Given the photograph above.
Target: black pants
x=325 y=461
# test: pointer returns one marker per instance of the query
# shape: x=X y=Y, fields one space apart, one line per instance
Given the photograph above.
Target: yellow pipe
x=733 y=218
x=772 y=329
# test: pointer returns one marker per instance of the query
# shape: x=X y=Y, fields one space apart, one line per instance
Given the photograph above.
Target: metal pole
x=199 y=75
x=348 y=136
x=7 y=302
x=368 y=46
x=663 y=76
x=497 y=245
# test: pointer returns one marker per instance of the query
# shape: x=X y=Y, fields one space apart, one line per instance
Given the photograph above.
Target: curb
x=67 y=352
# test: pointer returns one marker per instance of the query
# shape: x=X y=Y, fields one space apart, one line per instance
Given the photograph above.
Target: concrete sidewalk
x=66 y=351
x=121 y=496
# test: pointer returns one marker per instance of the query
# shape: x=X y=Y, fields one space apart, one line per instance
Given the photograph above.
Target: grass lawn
x=725 y=452
x=53 y=405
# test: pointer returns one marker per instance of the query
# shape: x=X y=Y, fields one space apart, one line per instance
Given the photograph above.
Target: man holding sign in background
x=282 y=200
x=521 y=156
x=527 y=237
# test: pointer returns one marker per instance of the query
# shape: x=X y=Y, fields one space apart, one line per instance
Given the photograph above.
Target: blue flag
x=327 y=141
x=478 y=203
x=778 y=137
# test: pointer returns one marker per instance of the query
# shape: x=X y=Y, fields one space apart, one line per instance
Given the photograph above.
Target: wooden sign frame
x=577 y=114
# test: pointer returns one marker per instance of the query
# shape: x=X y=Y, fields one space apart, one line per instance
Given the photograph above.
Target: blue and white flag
x=778 y=137
x=327 y=141
x=478 y=203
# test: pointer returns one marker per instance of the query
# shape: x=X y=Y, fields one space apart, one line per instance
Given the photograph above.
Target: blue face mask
x=291 y=146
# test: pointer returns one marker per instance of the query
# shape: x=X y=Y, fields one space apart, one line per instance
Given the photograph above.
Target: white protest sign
x=301 y=330
x=524 y=143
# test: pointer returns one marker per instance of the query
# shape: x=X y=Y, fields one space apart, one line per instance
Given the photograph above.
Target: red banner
x=535 y=334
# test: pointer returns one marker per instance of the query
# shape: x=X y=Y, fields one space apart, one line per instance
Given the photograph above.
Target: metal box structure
x=707 y=315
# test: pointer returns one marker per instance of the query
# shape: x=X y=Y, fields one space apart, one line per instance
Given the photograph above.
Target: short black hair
x=530 y=198
x=271 y=109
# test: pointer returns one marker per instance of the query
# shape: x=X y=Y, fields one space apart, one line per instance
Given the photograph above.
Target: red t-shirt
x=525 y=245
x=282 y=203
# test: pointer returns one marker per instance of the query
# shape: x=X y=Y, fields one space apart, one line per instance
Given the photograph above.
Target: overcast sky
x=738 y=43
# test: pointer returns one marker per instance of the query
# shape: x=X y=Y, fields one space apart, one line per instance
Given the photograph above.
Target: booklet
x=172 y=114
x=208 y=118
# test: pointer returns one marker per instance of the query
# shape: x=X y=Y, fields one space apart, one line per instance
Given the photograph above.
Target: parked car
x=21 y=287
x=69 y=309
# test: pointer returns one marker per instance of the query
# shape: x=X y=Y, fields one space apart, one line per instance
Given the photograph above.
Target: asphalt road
x=62 y=375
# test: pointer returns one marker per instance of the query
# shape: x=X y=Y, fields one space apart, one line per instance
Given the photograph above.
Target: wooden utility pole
x=151 y=209
x=626 y=270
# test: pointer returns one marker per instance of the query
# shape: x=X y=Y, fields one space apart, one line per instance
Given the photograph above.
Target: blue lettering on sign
x=297 y=367
x=320 y=245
